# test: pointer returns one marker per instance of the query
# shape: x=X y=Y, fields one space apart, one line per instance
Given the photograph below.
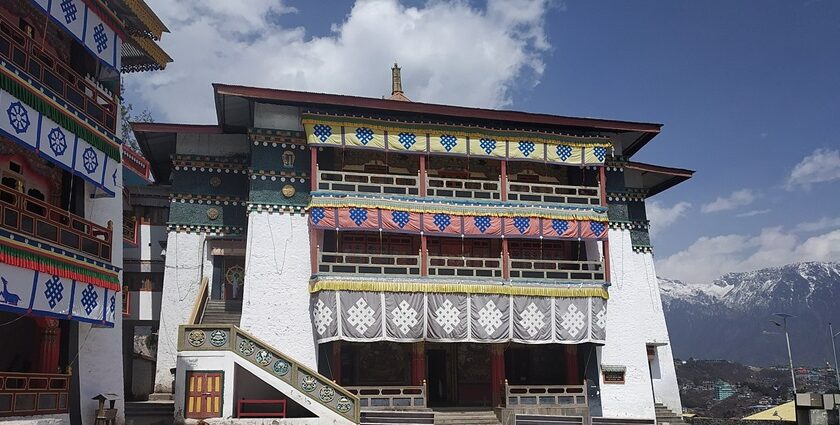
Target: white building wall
x=276 y=297
x=185 y=254
x=277 y=116
x=635 y=319
x=99 y=364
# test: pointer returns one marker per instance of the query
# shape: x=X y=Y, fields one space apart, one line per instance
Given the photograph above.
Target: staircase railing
x=281 y=366
x=200 y=303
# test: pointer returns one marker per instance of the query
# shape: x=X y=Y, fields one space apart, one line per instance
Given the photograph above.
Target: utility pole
x=783 y=325
x=834 y=347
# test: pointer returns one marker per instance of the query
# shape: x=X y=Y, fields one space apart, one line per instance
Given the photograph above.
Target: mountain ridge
x=729 y=318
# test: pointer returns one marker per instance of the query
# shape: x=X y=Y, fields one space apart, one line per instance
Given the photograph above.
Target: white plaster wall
x=99 y=364
x=185 y=253
x=277 y=117
x=212 y=144
x=635 y=319
x=276 y=297
x=145 y=305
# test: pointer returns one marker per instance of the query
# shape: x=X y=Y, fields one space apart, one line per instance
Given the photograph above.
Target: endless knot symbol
x=91 y=161
x=358 y=215
x=597 y=227
x=18 y=117
x=54 y=291
x=527 y=148
x=564 y=152
x=559 y=226
x=521 y=223
x=482 y=223
x=364 y=134
x=322 y=317
x=490 y=317
x=69 y=9
x=317 y=214
x=573 y=320
x=448 y=142
x=322 y=132
x=361 y=316
x=404 y=316
x=602 y=318
x=600 y=153
x=489 y=145
x=442 y=221
x=400 y=217
x=100 y=38
x=407 y=140
x=532 y=319
x=446 y=315
x=89 y=297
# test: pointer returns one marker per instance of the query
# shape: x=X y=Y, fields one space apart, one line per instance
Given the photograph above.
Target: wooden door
x=204 y=395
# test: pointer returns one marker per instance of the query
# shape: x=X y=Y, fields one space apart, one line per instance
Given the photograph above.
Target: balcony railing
x=361 y=263
x=345 y=181
x=545 y=395
x=454 y=187
x=31 y=57
x=27 y=215
x=446 y=187
x=458 y=266
x=541 y=192
x=556 y=269
x=465 y=266
x=391 y=397
x=28 y=394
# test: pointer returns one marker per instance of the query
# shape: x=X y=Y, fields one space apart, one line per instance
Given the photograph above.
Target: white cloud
x=450 y=52
x=661 y=216
x=753 y=213
x=821 y=224
x=822 y=166
x=737 y=199
x=710 y=257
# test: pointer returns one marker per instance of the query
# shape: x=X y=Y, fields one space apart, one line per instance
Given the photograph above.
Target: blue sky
x=746 y=90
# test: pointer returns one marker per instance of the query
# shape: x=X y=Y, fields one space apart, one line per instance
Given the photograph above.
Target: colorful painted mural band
x=340 y=131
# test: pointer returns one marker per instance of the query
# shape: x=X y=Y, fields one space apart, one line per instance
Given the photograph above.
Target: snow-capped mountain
x=730 y=318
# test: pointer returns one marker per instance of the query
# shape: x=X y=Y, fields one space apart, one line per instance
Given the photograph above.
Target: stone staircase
x=220 y=312
x=664 y=416
x=466 y=417
x=149 y=412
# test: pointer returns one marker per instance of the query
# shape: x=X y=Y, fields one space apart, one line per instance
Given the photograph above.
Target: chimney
x=396 y=85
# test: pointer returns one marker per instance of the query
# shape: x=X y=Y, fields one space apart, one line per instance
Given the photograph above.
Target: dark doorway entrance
x=458 y=375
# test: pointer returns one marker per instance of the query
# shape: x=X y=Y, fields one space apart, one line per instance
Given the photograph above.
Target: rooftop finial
x=396 y=85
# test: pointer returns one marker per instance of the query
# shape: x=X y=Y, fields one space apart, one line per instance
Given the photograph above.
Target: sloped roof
x=785 y=412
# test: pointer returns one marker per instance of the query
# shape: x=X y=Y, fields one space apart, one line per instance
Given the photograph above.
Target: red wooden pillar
x=422 y=175
x=505 y=259
x=313 y=168
x=602 y=183
x=497 y=373
x=504 y=180
x=418 y=363
x=572 y=373
x=313 y=249
x=49 y=345
x=424 y=256
x=606 y=245
x=336 y=362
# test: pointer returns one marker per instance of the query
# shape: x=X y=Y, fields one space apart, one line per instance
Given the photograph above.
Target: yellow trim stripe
x=449 y=288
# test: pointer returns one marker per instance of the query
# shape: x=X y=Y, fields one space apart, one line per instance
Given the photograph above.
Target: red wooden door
x=204 y=395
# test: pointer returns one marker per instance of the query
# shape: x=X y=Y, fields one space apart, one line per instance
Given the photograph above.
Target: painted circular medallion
x=281 y=367
x=246 y=347
x=197 y=338
x=218 y=338
x=308 y=383
x=344 y=405
x=263 y=358
x=327 y=394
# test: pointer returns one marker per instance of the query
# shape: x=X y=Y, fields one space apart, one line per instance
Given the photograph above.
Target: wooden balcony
x=456 y=187
x=29 y=394
x=458 y=266
x=545 y=396
x=29 y=216
x=558 y=270
x=553 y=193
x=361 y=263
x=390 y=397
x=83 y=93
